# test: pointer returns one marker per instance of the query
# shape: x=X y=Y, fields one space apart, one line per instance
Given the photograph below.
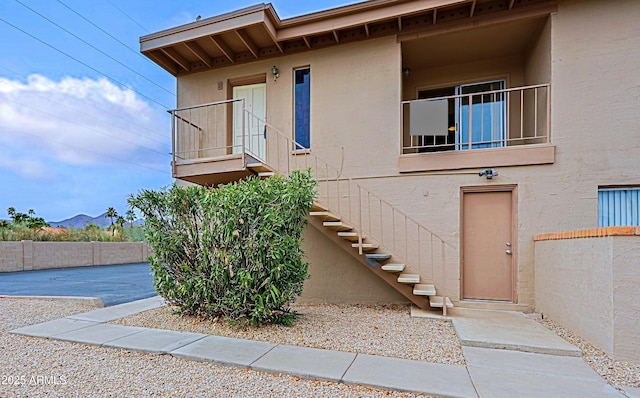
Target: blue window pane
x=302 y=106
x=618 y=207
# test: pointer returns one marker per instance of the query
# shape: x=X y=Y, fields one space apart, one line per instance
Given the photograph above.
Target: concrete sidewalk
x=490 y=372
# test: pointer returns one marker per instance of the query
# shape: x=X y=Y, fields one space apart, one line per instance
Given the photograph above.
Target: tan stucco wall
x=29 y=255
x=592 y=287
x=588 y=51
x=355 y=94
x=336 y=277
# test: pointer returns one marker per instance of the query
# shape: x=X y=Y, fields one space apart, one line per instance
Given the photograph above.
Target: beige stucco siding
x=355 y=95
x=592 y=286
x=596 y=86
x=589 y=52
x=336 y=277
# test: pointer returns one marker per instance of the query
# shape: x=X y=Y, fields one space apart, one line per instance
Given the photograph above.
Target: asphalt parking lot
x=113 y=284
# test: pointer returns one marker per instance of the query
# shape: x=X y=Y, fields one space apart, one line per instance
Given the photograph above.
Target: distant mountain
x=82 y=220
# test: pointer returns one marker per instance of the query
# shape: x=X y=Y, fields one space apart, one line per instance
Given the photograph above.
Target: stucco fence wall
x=28 y=255
x=589 y=281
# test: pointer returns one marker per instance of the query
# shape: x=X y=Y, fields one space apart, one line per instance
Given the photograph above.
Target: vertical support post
x=244 y=152
x=535 y=112
x=360 y=220
x=548 y=114
x=173 y=143
x=521 y=114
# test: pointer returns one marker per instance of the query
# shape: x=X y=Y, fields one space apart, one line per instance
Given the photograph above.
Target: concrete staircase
x=378 y=260
x=421 y=293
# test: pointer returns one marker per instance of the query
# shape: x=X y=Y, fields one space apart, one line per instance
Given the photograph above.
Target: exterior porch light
x=489 y=173
x=275 y=72
x=406 y=72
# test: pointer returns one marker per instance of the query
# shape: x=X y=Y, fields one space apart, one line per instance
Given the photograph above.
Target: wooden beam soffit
x=164 y=61
x=246 y=40
x=222 y=46
x=176 y=57
x=271 y=30
x=199 y=52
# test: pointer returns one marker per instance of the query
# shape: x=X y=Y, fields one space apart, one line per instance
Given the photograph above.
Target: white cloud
x=75 y=121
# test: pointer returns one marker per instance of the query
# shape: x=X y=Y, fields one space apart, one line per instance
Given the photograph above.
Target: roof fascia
x=207 y=27
x=364 y=13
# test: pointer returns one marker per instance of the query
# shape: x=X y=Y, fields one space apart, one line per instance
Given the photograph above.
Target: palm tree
x=131 y=216
x=120 y=221
x=112 y=213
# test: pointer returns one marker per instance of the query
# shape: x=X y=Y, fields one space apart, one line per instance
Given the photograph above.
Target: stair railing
x=422 y=250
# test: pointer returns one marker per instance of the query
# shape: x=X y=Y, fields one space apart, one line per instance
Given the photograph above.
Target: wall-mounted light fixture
x=489 y=173
x=275 y=72
x=406 y=72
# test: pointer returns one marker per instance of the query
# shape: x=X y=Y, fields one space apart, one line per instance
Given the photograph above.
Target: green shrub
x=233 y=251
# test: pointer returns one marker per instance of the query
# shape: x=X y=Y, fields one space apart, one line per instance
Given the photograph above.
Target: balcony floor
x=212 y=171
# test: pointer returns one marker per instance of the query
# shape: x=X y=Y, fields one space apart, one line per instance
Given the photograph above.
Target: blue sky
x=78 y=136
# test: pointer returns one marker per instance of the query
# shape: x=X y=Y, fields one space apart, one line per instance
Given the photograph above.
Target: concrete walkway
x=490 y=372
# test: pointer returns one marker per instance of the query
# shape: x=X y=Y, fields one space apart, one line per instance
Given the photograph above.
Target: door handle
x=508 y=251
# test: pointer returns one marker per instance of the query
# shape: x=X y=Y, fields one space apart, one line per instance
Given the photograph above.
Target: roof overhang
x=256 y=33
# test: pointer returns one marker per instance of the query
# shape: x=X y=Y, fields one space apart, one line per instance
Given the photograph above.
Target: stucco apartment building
x=469 y=152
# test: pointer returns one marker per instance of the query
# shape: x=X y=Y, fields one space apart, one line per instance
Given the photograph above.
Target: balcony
x=477 y=125
x=225 y=141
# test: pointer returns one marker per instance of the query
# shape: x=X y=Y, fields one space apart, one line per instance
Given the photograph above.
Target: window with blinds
x=618 y=207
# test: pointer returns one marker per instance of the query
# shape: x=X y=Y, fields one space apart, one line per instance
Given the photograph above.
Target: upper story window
x=302 y=107
x=618 y=207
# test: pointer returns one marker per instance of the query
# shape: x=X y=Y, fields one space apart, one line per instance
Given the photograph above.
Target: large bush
x=233 y=251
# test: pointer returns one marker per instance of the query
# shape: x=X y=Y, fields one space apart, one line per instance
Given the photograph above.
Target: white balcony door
x=255 y=101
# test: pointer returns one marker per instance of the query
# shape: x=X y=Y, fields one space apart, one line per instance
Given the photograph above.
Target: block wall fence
x=589 y=281
x=28 y=255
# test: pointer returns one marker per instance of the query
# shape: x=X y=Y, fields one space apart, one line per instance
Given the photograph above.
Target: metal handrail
x=512 y=131
x=503 y=90
x=284 y=159
x=372 y=216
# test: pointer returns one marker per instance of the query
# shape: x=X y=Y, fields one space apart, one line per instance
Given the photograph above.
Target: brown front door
x=487 y=265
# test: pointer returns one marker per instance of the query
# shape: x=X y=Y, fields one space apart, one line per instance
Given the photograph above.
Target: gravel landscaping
x=617 y=373
x=39 y=367
x=36 y=367
x=376 y=330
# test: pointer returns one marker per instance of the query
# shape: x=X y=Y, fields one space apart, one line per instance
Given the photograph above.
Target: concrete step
x=367 y=247
x=337 y=225
x=393 y=267
x=436 y=302
x=265 y=174
x=409 y=278
x=350 y=236
x=379 y=257
x=423 y=289
x=325 y=215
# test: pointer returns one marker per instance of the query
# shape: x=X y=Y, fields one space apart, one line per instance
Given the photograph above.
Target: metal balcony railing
x=197 y=133
x=489 y=119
